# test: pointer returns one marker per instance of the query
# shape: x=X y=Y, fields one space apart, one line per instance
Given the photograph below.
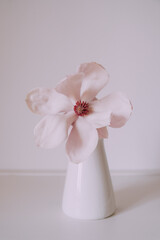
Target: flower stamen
x=81 y=108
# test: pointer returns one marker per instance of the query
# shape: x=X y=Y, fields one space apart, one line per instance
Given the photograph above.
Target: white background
x=42 y=41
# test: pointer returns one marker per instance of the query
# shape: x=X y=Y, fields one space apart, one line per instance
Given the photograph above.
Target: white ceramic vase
x=88 y=191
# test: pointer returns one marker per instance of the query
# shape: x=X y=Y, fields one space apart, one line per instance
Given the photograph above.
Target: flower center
x=81 y=108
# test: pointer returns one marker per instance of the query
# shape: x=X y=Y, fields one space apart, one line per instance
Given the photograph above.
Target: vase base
x=89 y=217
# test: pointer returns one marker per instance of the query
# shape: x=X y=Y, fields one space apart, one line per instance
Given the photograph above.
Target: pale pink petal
x=53 y=130
x=82 y=141
x=98 y=119
x=117 y=105
x=71 y=117
x=47 y=101
x=94 y=79
x=102 y=132
x=70 y=86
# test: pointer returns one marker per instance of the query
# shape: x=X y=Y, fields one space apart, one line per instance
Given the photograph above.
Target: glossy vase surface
x=88 y=191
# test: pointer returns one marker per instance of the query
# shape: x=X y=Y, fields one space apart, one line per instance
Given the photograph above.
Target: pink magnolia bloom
x=72 y=112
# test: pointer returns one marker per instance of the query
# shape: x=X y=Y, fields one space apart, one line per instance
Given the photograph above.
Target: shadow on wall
x=137 y=194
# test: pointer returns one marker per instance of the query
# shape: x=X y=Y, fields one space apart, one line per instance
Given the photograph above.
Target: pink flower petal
x=102 y=132
x=98 y=119
x=117 y=105
x=53 y=130
x=70 y=87
x=47 y=101
x=94 y=79
x=82 y=141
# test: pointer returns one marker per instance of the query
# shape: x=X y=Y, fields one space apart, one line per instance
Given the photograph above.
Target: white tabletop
x=30 y=209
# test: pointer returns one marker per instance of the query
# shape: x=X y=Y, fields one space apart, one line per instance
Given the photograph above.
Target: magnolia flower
x=72 y=113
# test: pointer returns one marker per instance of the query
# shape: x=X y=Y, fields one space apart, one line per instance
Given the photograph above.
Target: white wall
x=43 y=40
